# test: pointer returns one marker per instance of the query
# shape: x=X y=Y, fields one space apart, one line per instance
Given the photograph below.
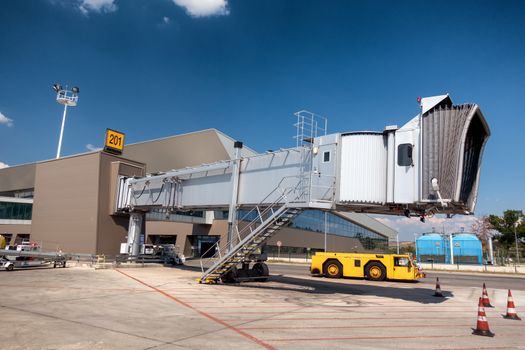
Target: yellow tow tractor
x=375 y=267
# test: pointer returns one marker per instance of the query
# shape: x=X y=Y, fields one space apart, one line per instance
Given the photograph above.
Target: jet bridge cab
x=430 y=165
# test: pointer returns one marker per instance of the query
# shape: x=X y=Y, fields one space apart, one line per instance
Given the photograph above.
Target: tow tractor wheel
x=376 y=271
x=333 y=269
x=10 y=268
x=262 y=272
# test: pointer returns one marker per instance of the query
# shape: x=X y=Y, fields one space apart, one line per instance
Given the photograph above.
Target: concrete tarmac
x=166 y=308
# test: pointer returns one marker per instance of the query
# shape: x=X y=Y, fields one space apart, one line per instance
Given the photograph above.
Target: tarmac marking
x=208 y=316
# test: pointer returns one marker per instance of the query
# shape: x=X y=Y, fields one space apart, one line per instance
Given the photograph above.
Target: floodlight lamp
x=75 y=89
x=57 y=87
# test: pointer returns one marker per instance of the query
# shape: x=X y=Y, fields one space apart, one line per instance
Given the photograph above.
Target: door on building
x=22 y=237
x=206 y=249
x=202 y=245
x=162 y=239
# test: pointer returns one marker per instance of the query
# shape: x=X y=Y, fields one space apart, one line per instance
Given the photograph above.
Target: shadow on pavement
x=282 y=283
x=416 y=293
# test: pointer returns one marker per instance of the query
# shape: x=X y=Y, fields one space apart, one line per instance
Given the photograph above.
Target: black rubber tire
x=262 y=271
x=230 y=276
x=375 y=271
x=333 y=269
x=10 y=268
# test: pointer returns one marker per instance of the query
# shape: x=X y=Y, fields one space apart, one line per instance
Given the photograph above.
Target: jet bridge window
x=404 y=154
x=326 y=156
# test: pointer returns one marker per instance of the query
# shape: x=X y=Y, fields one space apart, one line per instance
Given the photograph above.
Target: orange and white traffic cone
x=438 y=293
x=511 y=309
x=482 y=326
x=485 y=297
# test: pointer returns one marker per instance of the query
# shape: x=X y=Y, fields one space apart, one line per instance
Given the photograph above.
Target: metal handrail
x=237 y=247
x=261 y=214
x=217 y=246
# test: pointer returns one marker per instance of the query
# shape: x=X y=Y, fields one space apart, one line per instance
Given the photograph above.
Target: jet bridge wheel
x=230 y=276
x=261 y=271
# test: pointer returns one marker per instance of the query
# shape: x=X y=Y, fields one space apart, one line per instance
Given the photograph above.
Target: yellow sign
x=114 y=141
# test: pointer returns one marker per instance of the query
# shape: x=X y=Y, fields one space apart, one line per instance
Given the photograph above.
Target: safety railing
x=261 y=213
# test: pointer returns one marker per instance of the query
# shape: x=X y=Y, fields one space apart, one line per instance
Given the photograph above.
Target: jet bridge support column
x=232 y=213
x=136 y=225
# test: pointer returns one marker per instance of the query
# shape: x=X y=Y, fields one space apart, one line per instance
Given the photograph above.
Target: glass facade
x=16 y=211
x=160 y=214
x=314 y=220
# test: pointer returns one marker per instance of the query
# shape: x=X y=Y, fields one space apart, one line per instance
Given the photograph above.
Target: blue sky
x=154 y=68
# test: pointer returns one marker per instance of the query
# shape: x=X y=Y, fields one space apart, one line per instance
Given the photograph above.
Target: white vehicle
x=6 y=264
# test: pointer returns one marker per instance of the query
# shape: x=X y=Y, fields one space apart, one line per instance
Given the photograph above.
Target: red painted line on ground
x=208 y=316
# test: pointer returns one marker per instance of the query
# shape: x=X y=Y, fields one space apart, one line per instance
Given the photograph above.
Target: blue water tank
x=467 y=249
x=431 y=247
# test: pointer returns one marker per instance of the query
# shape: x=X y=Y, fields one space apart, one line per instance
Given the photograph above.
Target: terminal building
x=69 y=204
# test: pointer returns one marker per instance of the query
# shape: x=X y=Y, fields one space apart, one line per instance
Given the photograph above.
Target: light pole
x=516 y=224
x=67 y=98
x=325 y=228
x=415 y=243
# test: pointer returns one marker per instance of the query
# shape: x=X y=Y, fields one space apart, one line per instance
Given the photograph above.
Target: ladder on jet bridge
x=268 y=220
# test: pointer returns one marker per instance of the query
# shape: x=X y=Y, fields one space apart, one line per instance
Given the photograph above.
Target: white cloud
x=204 y=8
x=91 y=147
x=6 y=121
x=407 y=227
x=100 y=6
x=3 y=165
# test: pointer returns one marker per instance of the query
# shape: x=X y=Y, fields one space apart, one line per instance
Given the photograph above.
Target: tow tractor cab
x=375 y=267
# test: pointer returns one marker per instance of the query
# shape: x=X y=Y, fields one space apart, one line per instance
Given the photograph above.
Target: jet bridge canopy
x=453 y=141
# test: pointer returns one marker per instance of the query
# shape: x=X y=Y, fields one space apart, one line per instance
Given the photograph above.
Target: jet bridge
x=430 y=165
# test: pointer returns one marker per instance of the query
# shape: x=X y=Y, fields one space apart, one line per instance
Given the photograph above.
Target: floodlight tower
x=67 y=98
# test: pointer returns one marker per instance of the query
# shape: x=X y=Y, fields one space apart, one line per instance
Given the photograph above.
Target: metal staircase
x=253 y=239
x=258 y=225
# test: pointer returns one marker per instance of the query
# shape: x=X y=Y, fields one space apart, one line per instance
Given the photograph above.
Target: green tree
x=506 y=224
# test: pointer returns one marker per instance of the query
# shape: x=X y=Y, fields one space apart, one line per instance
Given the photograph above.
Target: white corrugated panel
x=363 y=168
